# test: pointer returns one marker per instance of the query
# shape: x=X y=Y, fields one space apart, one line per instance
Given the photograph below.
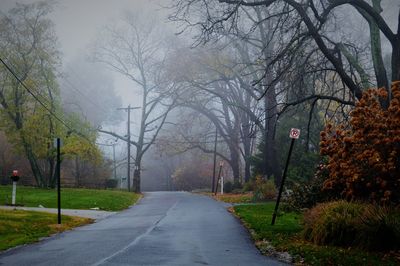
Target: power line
x=40 y=102
x=72 y=86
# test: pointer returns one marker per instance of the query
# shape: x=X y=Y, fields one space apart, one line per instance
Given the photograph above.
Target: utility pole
x=129 y=108
x=215 y=160
x=115 y=166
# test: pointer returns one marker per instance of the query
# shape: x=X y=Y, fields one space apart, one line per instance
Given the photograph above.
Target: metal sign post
x=58 y=172
x=294 y=134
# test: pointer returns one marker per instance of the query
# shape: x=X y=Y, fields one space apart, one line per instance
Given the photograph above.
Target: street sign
x=294 y=133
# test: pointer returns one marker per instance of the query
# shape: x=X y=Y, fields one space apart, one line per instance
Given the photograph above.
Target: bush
x=237 y=185
x=347 y=224
x=332 y=223
x=264 y=189
x=307 y=194
x=111 y=183
x=364 y=154
x=249 y=186
x=380 y=227
x=228 y=187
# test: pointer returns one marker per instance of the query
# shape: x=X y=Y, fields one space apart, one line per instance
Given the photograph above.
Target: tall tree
x=29 y=96
x=136 y=49
x=28 y=45
x=315 y=17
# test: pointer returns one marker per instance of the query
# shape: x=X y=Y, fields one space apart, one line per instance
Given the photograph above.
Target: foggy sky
x=77 y=22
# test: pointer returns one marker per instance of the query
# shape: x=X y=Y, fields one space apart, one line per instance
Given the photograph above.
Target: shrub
x=307 y=194
x=264 y=189
x=380 y=228
x=342 y=223
x=332 y=223
x=228 y=186
x=364 y=155
x=237 y=185
x=248 y=186
x=111 y=183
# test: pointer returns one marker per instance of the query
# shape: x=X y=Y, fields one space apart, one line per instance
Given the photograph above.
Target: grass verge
x=231 y=198
x=22 y=227
x=285 y=235
x=71 y=198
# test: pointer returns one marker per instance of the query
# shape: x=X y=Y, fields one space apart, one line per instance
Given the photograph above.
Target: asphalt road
x=164 y=228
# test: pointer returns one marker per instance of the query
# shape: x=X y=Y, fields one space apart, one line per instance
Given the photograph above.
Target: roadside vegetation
x=234 y=198
x=71 y=198
x=287 y=235
x=22 y=227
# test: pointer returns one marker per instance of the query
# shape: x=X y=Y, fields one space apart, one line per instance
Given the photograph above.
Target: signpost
x=58 y=172
x=294 y=134
x=221 y=164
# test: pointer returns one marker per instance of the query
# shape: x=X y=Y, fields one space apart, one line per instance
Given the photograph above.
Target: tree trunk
x=136 y=173
x=235 y=164
x=396 y=57
x=34 y=165
x=77 y=172
x=270 y=154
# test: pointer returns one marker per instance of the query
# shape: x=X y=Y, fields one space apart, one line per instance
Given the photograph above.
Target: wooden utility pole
x=128 y=109
x=215 y=160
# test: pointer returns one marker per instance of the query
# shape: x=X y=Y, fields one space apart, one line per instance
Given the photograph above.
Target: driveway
x=164 y=228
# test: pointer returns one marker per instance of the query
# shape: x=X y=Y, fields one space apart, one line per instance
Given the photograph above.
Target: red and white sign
x=15 y=173
x=294 y=133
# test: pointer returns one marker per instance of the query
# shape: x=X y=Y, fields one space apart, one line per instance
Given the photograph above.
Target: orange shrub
x=364 y=156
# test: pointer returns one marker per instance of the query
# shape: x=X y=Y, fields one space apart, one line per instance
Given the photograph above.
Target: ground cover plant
x=287 y=235
x=353 y=224
x=19 y=227
x=71 y=198
x=234 y=198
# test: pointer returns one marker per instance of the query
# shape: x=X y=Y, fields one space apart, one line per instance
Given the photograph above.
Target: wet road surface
x=164 y=228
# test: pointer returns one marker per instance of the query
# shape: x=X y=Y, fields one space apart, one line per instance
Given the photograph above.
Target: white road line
x=134 y=242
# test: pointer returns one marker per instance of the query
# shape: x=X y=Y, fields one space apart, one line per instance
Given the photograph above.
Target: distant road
x=164 y=228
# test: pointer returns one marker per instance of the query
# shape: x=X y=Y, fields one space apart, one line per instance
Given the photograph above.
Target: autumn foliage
x=364 y=156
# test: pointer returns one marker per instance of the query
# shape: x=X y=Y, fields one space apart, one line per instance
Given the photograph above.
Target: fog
x=206 y=79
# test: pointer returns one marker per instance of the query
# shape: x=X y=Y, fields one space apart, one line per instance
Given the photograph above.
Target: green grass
x=71 y=198
x=285 y=235
x=23 y=227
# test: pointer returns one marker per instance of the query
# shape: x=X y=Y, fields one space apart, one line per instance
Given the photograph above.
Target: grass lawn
x=285 y=235
x=71 y=198
x=22 y=227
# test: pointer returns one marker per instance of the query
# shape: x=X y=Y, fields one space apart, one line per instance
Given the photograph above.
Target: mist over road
x=164 y=228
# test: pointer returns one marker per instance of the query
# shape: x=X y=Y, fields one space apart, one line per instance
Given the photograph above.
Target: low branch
x=117 y=136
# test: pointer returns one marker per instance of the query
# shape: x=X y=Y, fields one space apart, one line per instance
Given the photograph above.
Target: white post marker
x=14 y=178
x=14 y=192
x=222 y=185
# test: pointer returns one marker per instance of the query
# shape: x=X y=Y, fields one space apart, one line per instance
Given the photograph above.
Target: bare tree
x=135 y=48
x=211 y=87
x=315 y=17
